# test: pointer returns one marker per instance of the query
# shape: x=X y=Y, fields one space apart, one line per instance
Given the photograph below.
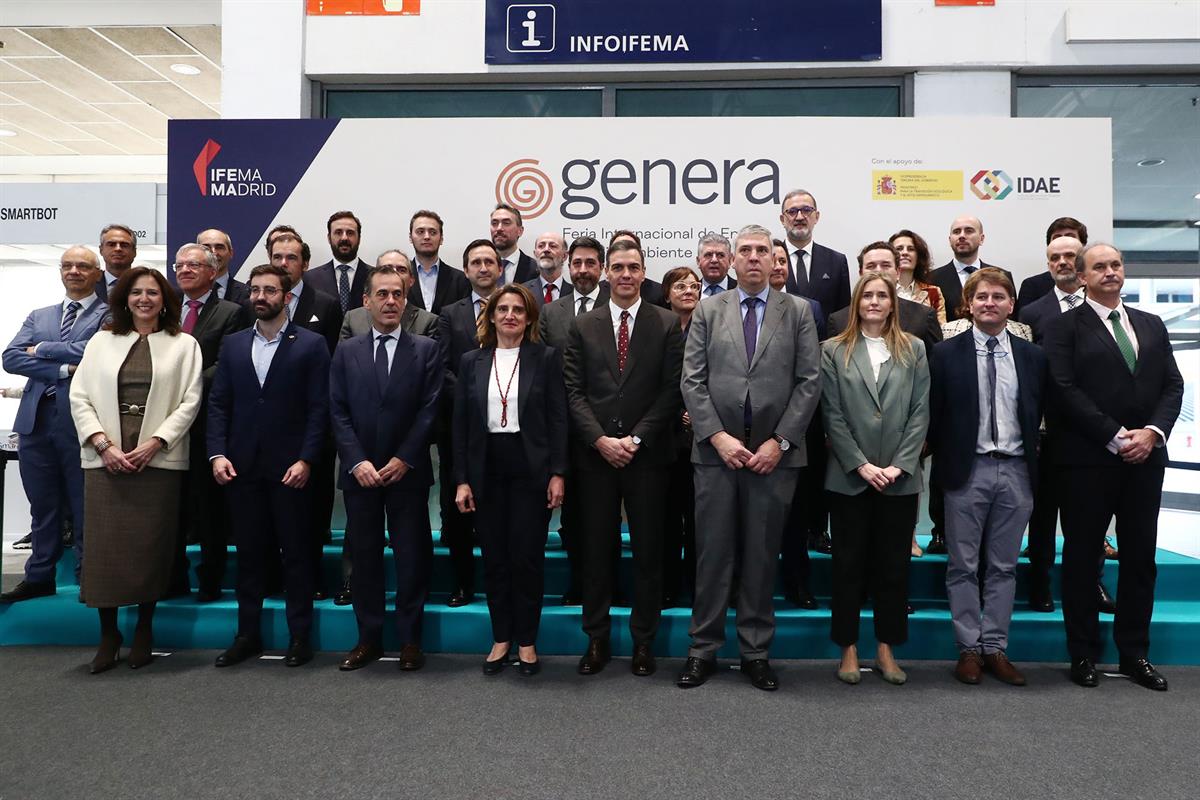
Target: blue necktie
x=712 y=289
x=344 y=286
x=381 y=363
x=750 y=331
x=68 y=322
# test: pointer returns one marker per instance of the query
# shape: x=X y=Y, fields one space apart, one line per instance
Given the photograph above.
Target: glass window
x=864 y=101
x=463 y=103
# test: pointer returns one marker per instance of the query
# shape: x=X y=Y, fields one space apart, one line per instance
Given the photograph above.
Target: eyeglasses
x=799 y=211
x=265 y=291
x=190 y=265
x=684 y=287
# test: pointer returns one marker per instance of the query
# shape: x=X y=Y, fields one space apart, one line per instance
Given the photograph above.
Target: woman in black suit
x=510 y=454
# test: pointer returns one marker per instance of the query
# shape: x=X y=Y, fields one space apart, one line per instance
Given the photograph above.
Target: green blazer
x=883 y=423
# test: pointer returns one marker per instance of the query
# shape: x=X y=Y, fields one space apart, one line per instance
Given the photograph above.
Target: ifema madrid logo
x=991 y=184
x=526 y=188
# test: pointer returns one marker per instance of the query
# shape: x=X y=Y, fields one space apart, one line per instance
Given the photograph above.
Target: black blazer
x=370 y=426
x=535 y=288
x=954 y=406
x=319 y=313
x=917 y=319
x=218 y=319
x=1034 y=288
x=526 y=268
x=828 y=280
x=236 y=291
x=1092 y=392
x=264 y=430
x=643 y=400
x=325 y=279
x=452 y=285
x=1038 y=314
x=946 y=278
x=458 y=334
x=541 y=410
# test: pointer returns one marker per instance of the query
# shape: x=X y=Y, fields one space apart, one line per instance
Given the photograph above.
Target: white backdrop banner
x=670 y=179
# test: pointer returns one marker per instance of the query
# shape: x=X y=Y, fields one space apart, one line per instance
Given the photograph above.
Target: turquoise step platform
x=183 y=623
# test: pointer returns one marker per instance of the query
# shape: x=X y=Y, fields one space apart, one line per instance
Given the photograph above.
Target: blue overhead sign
x=675 y=31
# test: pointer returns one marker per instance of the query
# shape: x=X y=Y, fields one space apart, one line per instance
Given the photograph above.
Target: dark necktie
x=503 y=272
x=193 y=314
x=218 y=291
x=750 y=331
x=1072 y=300
x=582 y=306
x=1123 y=342
x=549 y=293
x=801 y=273
x=991 y=377
x=969 y=270
x=68 y=322
x=344 y=285
x=381 y=362
x=623 y=341
x=712 y=289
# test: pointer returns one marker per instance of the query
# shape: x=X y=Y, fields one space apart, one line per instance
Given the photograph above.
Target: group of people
x=731 y=417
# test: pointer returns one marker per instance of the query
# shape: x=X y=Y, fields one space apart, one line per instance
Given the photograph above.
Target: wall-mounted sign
x=666 y=31
x=74 y=213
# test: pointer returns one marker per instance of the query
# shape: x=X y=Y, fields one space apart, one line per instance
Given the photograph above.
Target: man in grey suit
x=751 y=384
x=550 y=251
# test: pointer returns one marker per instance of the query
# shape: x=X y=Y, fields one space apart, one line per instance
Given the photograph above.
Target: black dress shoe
x=27 y=591
x=299 y=652
x=1144 y=674
x=668 y=601
x=529 y=668
x=343 y=597
x=208 y=594
x=243 y=647
x=802 y=598
x=598 y=654
x=107 y=655
x=820 y=542
x=760 y=674
x=1083 y=672
x=360 y=656
x=909 y=610
x=495 y=667
x=319 y=595
x=643 y=661
x=1107 y=604
x=459 y=598
x=572 y=598
x=937 y=545
x=695 y=672
x=411 y=658
x=1041 y=602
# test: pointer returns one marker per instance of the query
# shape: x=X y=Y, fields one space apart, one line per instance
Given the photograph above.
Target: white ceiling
x=104 y=90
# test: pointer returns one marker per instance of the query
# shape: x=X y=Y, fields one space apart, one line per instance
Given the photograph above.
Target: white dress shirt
x=877 y=352
x=616 y=318
x=507 y=363
x=1062 y=298
x=1008 y=423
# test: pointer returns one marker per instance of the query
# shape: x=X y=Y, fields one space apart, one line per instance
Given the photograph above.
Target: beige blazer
x=171 y=407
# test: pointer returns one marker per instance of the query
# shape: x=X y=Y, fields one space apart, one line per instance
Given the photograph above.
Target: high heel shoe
x=107 y=656
x=529 y=668
x=494 y=667
x=851 y=677
x=140 y=651
x=896 y=677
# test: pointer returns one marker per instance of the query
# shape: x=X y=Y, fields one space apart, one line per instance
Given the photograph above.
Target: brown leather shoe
x=969 y=668
x=360 y=656
x=411 y=658
x=998 y=664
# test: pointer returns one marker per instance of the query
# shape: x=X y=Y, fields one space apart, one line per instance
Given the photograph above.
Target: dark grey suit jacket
x=535 y=286
x=557 y=318
x=413 y=320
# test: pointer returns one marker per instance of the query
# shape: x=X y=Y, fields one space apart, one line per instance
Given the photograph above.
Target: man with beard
x=966 y=238
x=118 y=248
x=435 y=283
x=226 y=286
x=817 y=271
x=550 y=250
x=267 y=422
x=507 y=229
x=1037 y=286
x=344 y=276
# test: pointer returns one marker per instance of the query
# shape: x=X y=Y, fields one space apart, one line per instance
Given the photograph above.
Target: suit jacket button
x=877 y=415
x=620 y=395
x=260 y=401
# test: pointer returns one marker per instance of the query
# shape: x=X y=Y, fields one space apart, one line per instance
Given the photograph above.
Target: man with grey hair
x=118 y=248
x=209 y=319
x=712 y=257
x=751 y=384
x=549 y=251
x=814 y=271
x=226 y=286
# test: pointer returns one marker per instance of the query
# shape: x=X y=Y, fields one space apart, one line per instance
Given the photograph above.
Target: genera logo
x=589 y=183
x=994 y=184
x=227 y=181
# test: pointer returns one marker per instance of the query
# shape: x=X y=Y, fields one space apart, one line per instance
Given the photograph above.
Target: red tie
x=549 y=292
x=623 y=341
x=193 y=314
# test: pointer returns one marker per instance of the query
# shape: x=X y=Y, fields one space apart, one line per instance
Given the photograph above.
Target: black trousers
x=1043 y=525
x=458 y=529
x=205 y=513
x=321 y=481
x=1089 y=498
x=810 y=510
x=679 y=528
x=641 y=489
x=871 y=534
x=406 y=511
x=512 y=521
x=269 y=518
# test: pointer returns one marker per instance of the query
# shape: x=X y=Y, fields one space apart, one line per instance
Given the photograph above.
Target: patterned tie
x=623 y=341
x=549 y=293
x=478 y=311
x=68 y=322
x=1072 y=300
x=750 y=331
x=1123 y=343
x=344 y=286
x=991 y=376
x=582 y=306
x=193 y=314
x=381 y=362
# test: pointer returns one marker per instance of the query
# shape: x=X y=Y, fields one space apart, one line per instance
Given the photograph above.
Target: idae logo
x=991 y=184
x=228 y=181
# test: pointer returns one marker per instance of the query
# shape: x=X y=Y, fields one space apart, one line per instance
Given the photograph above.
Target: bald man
x=225 y=286
x=549 y=251
x=966 y=239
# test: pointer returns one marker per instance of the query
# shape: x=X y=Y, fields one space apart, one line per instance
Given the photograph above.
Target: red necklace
x=504 y=390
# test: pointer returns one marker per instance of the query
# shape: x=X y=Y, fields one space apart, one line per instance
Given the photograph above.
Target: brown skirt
x=132 y=522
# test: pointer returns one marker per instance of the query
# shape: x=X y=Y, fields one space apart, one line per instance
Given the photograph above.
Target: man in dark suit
x=585 y=258
x=226 y=286
x=435 y=284
x=47 y=350
x=987 y=391
x=118 y=248
x=880 y=258
x=713 y=258
x=652 y=290
x=205 y=517
x=751 y=383
x=268 y=415
x=345 y=275
x=550 y=250
x=816 y=271
x=507 y=229
x=622 y=375
x=1115 y=396
x=966 y=237
x=320 y=313
x=1039 y=285
x=383 y=403
x=459 y=333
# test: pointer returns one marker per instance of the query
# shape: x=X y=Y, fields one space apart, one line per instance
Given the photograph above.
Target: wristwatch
x=637 y=440
x=784 y=444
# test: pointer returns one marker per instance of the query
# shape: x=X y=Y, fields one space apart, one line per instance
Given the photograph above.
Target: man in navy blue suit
x=267 y=420
x=816 y=271
x=383 y=390
x=46 y=351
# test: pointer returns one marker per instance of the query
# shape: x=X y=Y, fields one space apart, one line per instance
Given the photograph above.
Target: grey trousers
x=739 y=519
x=989 y=512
